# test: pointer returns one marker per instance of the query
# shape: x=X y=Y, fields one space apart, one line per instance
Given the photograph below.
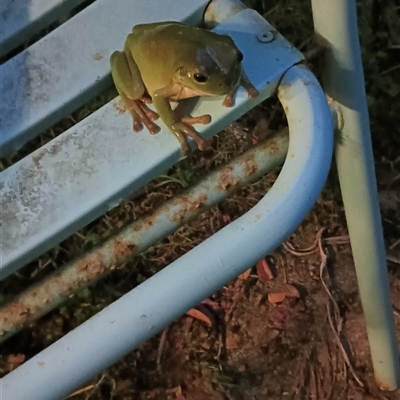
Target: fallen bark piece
x=194 y=313
x=277 y=296
x=264 y=272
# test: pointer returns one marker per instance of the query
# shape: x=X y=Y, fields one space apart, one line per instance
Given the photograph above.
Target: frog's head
x=213 y=70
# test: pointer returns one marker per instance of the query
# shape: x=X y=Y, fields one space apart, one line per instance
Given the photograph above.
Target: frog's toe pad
x=202 y=119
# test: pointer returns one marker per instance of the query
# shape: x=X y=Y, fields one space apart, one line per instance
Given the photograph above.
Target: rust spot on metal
x=187 y=206
x=213 y=13
x=90 y=266
x=123 y=250
x=250 y=165
x=146 y=223
x=273 y=147
x=36 y=301
x=137 y=227
x=226 y=178
x=53 y=150
x=36 y=161
x=386 y=386
x=307 y=82
x=16 y=314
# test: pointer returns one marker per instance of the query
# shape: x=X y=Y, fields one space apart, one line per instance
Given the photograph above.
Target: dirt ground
x=292 y=327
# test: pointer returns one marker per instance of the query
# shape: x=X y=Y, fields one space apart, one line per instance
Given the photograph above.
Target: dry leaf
x=179 y=395
x=283 y=292
x=212 y=304
x=226 y=218
x=263 y=271
x=276 y=297
x=199 y=315
x=292 y=291
x=232 y=340
x=245 y=274
x=16 y=359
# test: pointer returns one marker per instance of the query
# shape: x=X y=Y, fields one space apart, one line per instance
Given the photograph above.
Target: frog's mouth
x=181 y=92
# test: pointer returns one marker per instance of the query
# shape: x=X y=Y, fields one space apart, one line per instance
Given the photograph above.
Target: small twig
x=220 y=346
x=394 y=244
x=339 y=342
x=80 y=391
x=283 y=267
x=299 y=252
x=237 y=289
x=393 y=259
x=161 y=349
x=322 y=269
x=100 y=381
x=344 y=239
x=174 y=390
x=89 y=387
x=314 y=386
x=338 y=328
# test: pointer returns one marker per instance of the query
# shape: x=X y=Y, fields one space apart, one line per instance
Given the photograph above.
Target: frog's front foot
x=184 y=130
x=202 y=119
x=141 y=114
x=252 y=92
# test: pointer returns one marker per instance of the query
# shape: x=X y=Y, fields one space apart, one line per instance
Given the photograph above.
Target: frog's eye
x=200 y=78
x=240 y=56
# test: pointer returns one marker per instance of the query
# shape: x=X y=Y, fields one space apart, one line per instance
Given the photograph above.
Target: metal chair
x=48 y=195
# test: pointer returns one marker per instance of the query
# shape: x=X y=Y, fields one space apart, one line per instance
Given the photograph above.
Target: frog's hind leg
x=130 y=87
x=141 y=114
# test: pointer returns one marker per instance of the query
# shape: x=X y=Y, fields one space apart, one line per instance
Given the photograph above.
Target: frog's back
x=171 y=32
x=158 y=31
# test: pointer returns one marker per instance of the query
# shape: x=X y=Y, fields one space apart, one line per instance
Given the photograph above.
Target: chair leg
x=336 y=22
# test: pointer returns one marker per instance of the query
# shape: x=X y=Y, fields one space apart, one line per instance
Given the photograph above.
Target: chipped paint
x=220 y=10
x=123 y=249
x=227 y=178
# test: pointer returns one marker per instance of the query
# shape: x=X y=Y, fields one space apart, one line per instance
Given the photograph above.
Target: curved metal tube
x=146 y=310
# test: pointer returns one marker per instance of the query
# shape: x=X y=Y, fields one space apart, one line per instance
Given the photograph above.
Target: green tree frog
x=171 y=61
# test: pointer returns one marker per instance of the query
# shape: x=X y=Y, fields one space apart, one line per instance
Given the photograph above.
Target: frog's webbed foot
x=228 y=101
x=141 y=114
x=252 y=92
x=188 y=119
x=183 y=131
x=202 y=119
